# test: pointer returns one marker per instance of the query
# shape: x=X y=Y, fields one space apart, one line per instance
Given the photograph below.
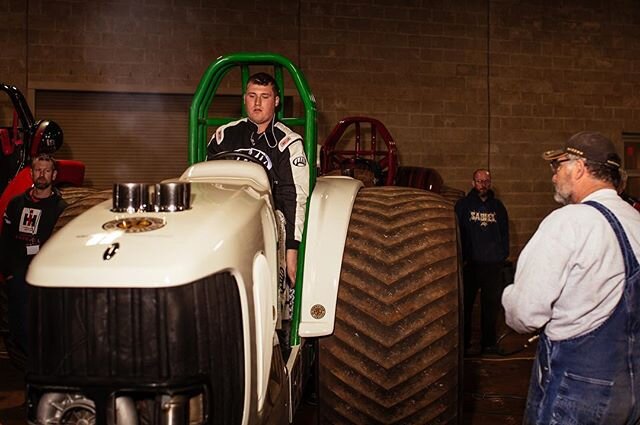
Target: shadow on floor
x=495 y=388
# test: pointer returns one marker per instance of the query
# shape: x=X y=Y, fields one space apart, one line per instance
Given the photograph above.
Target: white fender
x=229 y=172
x=329 y=214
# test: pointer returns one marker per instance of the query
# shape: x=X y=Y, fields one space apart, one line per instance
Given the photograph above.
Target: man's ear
x=54 y=175
x=580 y=169
x=277 y=101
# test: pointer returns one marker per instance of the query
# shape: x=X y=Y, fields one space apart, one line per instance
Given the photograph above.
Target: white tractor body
x=230 y=226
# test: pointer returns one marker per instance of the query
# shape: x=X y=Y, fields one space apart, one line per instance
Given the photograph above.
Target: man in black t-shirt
x=28 y=222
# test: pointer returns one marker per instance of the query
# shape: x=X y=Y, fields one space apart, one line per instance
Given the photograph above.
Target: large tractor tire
x=394 y=356
x=451 y=194
x=78 y=199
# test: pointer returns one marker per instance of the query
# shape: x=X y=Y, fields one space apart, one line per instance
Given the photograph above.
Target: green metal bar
x=292 y=122
x=199 y=122
x=277 y=75
x=244 y=79
x=199 y=109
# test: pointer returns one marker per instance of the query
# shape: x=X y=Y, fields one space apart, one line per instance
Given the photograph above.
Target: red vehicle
x=21 y=139
x=346 y=151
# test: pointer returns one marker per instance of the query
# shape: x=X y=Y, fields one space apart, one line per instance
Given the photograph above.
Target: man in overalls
x=578 y=281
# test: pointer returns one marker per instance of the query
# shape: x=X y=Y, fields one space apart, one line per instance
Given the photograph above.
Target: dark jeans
x=17 y=294
x=487 y=278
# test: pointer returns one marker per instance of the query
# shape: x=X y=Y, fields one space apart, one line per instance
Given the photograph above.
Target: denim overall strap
x=593 y=379
x=631 y=297
x=630 y=261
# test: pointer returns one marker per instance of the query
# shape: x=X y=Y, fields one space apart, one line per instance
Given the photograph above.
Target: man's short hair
x=264 y=79
x=603 y=172
x=45 y=157
x=479 y=170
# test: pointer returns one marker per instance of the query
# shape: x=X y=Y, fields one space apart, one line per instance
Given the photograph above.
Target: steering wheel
x=241 y=156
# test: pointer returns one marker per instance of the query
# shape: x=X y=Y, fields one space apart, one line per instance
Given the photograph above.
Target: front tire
x=394 y=357
x=79 y=199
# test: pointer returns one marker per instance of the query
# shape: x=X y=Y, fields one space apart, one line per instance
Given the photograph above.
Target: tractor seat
x=70 y=172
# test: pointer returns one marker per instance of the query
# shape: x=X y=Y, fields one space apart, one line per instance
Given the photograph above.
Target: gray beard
x=562 y=199
x=41 y=186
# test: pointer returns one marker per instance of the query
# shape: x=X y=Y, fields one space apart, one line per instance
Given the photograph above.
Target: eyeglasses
x=557 y=163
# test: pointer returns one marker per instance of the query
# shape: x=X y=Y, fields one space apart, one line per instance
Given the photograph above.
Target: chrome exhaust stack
x=147 y=197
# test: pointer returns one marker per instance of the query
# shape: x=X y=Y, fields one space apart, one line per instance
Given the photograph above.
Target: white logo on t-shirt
x=29 y=220
x=483 y=217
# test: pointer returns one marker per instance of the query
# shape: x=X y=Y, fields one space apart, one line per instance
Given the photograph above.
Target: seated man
x=279 y=149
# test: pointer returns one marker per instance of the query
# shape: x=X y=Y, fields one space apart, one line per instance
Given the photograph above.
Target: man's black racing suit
x=281 y=151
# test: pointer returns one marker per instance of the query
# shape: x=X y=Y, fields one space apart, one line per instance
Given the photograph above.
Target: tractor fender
x=328 y=220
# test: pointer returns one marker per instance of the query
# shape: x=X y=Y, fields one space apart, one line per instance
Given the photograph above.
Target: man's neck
x=591 y=186
x=41 y=193
x=263 y=127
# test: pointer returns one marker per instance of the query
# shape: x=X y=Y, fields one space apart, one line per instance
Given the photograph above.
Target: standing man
x=578 y=281
x=281 y=152
x=28 y=222
x=484 y=229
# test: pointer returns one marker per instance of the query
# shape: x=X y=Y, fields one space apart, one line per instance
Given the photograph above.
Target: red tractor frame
x=378 y=158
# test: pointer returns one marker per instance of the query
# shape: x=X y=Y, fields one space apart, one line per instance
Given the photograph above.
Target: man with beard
x=578 y=282
x=484 y=231
x=28 y=222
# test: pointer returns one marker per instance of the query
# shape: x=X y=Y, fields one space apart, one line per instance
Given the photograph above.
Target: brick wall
x=427 y=69
x=13 y=42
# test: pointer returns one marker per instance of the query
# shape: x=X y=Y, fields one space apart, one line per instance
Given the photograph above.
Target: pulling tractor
x=160 y=306
x=346 y=152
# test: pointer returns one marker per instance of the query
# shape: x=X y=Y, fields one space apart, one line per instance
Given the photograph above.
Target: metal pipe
x=126 y=412
x=174 y=410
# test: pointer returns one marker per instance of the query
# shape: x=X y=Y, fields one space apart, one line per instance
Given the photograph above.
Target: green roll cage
x=199 y=122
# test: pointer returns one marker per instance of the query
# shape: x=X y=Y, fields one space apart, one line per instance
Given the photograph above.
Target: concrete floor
x=11 y=391
x=494 y=392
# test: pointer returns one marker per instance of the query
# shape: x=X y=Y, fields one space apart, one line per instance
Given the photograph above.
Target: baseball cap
x=589 y=145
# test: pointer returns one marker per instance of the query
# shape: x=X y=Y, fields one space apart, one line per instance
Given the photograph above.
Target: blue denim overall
x=593 y=379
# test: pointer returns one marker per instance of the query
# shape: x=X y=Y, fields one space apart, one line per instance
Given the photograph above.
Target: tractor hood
x=101 y=248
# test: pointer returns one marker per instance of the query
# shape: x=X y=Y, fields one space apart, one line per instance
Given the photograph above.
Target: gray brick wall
x=419 y=66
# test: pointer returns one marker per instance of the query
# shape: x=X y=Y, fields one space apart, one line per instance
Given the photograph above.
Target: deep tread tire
x=394 y=357
x=79 y=199
x=451 y=194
